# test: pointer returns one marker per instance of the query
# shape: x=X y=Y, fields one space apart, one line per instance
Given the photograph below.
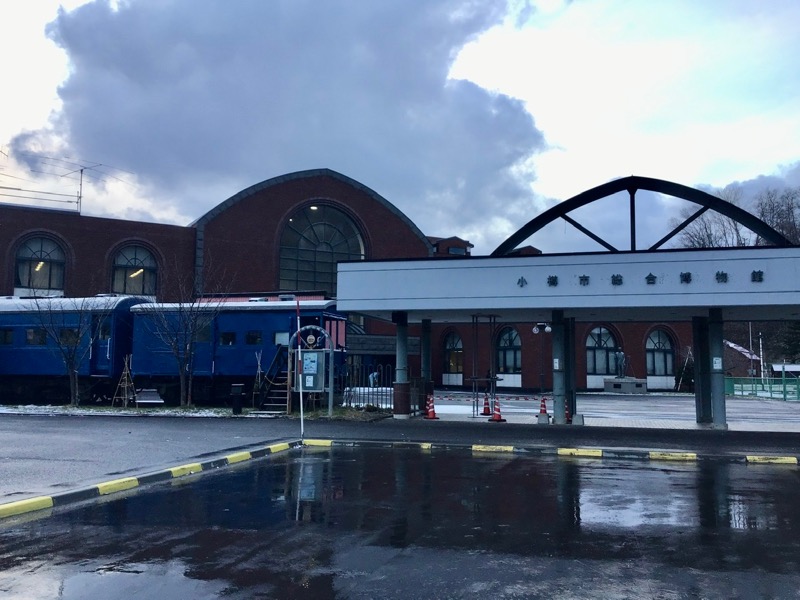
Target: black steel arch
x=632 y=184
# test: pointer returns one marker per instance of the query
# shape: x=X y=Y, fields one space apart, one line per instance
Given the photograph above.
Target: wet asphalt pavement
x=48 y=454
x=372 y=522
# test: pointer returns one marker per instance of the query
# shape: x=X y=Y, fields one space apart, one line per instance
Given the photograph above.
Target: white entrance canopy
x=754 y=283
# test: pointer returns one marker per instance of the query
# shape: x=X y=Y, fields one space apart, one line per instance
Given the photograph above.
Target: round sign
x=311 y=339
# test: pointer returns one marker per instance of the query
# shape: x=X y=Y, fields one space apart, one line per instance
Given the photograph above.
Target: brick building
x=287 y=234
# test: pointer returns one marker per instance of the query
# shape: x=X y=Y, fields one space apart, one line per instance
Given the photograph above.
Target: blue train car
x=36 y=333
x=234 y=342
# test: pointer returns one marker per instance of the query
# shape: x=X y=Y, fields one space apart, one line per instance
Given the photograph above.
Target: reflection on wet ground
x=377 y=522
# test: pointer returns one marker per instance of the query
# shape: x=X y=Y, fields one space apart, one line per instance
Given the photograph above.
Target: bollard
x=237 y=392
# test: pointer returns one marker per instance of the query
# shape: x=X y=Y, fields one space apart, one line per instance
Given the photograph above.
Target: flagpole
x=300 y=371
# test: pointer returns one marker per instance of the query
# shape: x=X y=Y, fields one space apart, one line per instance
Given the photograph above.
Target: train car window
x=36 y=337
x=253 y=338
x=6 y=337
x=68 y=336
x=281 y=338
x=227 y=338
x=203 y=333
x=105 y=332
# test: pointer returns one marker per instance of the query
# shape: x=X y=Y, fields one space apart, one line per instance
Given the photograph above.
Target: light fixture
x=136 y=273
x=39 y=266
x=314 y=207
x=538 y=327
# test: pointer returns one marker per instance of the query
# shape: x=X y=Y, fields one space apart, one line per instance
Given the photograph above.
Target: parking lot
x=655 y=411
x=366 y=521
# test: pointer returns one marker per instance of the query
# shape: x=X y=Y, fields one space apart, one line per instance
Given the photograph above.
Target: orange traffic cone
x=431 y=410
x=486 y=412
x=496 y=418
x=543 y=418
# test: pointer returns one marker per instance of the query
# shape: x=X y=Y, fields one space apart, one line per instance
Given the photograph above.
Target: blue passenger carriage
x=226 y=342
x=35 y=333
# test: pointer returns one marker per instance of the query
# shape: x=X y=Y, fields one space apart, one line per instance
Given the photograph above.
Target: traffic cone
x=543 y=418
x=486 y=412
x=431 y=410
x=496 y=418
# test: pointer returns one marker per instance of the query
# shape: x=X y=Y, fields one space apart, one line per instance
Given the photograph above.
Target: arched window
x=315 y=239
x=601 y=350
x=40 y=265
x=453 y=354
x=660 y=353
x=134 y=272
x=509 y=351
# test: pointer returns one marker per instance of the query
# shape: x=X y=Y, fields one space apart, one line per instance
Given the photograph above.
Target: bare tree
x=180 y=325
x=714 y=230
x=73 y=325
x=781 y=211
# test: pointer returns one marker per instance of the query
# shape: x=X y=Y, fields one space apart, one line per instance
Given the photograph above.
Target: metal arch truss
x=632 y=184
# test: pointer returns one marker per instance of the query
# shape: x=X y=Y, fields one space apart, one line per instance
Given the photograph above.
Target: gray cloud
x=786 y=177
x=202 y=98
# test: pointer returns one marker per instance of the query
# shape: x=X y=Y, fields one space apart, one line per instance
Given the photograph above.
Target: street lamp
x=536 y=330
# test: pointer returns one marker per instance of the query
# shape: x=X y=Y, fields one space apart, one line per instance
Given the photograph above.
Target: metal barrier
x=373 y=386
x=779 y=388
x=366 y=385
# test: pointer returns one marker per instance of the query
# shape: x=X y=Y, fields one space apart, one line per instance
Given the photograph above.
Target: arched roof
x=311 y=173
x=632 y=184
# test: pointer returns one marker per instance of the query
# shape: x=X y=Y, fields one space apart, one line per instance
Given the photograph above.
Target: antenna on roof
x=78 y=166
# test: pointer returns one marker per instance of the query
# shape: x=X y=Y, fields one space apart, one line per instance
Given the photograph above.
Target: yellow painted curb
x=773 y=460
x=238 y=457
x=117 y=485
x=673 y=456
x=481 y=448
x=278 y=448
x=23 y=506
x=186 y=469
x=585 y=452
x=318 y=442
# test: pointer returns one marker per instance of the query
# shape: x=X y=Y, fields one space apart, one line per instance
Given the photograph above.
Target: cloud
x=685 y=91
x=200 y=99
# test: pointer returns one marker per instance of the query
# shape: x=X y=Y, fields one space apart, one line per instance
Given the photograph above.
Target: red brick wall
x=241 y=239
x=630 y=336
x=90 y=244
x=246 y=234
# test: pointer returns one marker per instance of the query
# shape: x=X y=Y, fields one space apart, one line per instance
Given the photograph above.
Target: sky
x=470 y=116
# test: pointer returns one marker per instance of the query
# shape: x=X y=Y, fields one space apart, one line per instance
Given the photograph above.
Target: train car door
x=203 y=359
x=100 y=362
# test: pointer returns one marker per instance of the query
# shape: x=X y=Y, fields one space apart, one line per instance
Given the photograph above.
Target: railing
x=373 y=386
x=779 y=388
